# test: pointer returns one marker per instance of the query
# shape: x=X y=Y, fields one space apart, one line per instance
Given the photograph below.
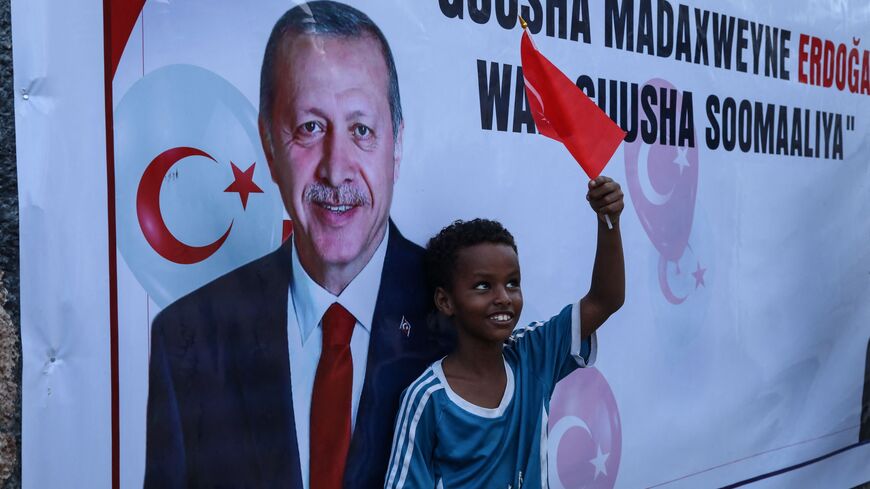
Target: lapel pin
x=405 y=327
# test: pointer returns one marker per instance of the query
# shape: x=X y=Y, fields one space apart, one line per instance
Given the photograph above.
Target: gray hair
x=325 y=18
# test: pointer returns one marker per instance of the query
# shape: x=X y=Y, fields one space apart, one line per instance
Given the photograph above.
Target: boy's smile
x=485 y=299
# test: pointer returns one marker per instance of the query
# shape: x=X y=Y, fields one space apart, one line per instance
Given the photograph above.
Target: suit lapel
x=392 y=362
x=264 y=370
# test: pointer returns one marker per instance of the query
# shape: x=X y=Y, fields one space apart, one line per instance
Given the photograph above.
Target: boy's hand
x=605 y=198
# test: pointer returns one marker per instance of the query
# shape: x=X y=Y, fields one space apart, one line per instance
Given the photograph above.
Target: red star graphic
x=243 y=183
x=699 y=276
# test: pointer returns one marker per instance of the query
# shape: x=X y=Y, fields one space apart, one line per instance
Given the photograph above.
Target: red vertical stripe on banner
x=109 y=65
x=119 y=17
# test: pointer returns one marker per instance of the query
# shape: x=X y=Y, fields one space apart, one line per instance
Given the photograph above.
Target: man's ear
x=443 y=302
x=266 y=141
x=397 y=151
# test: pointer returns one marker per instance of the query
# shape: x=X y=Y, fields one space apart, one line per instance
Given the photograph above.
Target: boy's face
x=485 y=299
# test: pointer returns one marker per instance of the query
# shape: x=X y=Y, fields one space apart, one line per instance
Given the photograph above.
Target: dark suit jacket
x=220 y=411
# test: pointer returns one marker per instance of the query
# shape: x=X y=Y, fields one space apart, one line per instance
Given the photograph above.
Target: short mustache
x=344 y=194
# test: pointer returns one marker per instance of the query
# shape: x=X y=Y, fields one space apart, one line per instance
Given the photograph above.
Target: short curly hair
x=443 y=249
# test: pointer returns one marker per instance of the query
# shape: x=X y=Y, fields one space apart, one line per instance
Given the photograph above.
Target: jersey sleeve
x=414 y=439
x=553 y=349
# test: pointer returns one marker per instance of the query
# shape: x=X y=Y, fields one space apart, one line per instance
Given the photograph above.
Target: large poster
x=263 y=160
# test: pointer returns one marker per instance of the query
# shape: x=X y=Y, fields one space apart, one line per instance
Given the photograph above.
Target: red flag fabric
x=564 y=113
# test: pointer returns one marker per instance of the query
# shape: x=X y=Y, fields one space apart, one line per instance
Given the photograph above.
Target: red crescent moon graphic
x=665 y=286
x=151 y=220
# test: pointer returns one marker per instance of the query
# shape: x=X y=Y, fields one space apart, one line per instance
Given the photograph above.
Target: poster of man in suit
x=250 y=385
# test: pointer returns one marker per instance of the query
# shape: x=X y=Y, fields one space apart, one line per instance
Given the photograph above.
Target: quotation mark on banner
x=850 y=122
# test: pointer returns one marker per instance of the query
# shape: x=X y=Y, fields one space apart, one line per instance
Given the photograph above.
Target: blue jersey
x=444 y=441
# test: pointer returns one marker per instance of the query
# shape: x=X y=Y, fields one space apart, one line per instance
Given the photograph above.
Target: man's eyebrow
x=356 y=114
x=311 y=111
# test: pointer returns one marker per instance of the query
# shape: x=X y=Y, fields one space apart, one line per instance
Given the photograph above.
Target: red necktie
x=331 y=400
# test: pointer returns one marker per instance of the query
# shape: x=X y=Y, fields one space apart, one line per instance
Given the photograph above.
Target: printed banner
x=266 y=159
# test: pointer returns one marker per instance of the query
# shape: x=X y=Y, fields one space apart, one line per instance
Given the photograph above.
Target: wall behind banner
x=742 y=346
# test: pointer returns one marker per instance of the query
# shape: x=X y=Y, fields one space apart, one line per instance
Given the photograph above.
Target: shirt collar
x=310 y=300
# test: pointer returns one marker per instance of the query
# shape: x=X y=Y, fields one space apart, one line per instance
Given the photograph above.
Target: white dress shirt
x=306 y=305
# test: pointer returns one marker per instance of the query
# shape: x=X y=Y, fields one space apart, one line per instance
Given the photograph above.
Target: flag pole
x=525 y=26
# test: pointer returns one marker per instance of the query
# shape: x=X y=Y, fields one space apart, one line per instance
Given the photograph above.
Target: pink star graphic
x=699 y=276
x=243 y=183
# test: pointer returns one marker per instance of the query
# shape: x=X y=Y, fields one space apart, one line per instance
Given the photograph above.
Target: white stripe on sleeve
x=409 y=449
x=408 y=403
x=410 y=393
x=576 y=341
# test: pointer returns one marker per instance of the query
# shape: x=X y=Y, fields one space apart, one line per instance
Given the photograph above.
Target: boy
x=478 y=417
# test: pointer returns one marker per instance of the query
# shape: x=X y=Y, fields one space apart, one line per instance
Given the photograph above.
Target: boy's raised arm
x=607 y=291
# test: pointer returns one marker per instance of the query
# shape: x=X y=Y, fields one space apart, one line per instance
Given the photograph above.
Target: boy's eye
x=513 y=284
x=481 y=286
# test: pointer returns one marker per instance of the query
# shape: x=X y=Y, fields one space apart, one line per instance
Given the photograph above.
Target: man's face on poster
x=333 y=152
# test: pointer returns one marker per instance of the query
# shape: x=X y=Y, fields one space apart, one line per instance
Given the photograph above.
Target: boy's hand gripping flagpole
x=563 y=112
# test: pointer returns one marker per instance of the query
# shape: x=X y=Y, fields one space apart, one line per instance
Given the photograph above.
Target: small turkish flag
x=564 y=113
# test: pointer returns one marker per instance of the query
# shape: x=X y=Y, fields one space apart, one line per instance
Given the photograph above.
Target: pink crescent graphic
x=665 y=285
x=151 y=220
x=585 y=434
x=556 y=433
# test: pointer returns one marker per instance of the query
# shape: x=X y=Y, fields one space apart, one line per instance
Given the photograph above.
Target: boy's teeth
x=500 y=317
